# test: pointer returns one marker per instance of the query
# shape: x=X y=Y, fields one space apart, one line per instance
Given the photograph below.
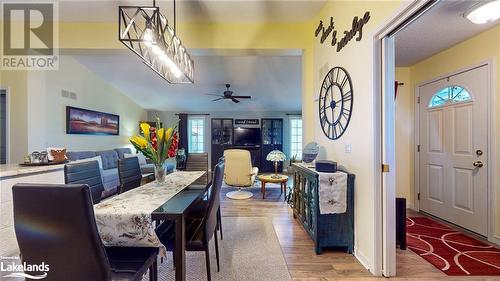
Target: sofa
x=109 y=160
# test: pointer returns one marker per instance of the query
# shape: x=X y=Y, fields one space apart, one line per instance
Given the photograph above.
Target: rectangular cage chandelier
x=146 y=32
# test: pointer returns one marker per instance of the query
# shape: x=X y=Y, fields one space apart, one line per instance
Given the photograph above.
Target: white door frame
x=491 y=139
x=384 y=262
x=7 y=115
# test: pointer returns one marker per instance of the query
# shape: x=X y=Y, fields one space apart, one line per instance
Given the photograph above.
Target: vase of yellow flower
x=157 y=144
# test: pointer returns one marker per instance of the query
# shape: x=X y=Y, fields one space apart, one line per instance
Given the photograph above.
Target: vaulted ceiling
x=273 y=81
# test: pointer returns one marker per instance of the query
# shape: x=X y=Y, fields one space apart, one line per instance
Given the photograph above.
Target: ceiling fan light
x=484 y=13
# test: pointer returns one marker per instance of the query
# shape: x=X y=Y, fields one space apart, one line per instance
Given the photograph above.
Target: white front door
x=453 y=149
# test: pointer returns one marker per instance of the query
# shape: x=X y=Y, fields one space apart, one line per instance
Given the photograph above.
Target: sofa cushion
x=122 y=150
x=77 y=155
x=150 y=168
x=110 y=178
x=109 y=159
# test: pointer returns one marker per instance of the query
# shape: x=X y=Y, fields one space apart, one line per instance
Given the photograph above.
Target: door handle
x=477 y=164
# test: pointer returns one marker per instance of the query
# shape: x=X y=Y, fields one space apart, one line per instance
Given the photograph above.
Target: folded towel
x=332 y=193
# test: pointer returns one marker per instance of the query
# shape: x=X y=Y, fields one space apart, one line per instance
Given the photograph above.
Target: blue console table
x=328 y=230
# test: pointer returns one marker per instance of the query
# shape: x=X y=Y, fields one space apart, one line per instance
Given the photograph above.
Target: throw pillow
x=57 y=155
x=140 y=157
x=96 y=158
x=50 y=155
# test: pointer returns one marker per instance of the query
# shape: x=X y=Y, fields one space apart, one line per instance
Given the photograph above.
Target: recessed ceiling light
x=484 y=13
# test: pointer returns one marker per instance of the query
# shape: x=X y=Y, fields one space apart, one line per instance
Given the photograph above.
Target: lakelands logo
x=15 y=269
x=29 y=36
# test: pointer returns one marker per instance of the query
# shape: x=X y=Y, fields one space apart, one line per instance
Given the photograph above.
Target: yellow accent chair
x=239 y=172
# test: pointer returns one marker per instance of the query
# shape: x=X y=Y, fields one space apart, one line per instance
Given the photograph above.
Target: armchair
x=239 y=172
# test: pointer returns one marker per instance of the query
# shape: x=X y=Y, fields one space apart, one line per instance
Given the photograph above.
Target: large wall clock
x=335 y=102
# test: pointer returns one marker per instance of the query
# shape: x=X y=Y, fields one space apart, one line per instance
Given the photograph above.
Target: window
x=451 y=94
x=296 y=137
x=196 y=132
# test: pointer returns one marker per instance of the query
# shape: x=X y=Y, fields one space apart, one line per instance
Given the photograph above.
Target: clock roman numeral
x=344 y=81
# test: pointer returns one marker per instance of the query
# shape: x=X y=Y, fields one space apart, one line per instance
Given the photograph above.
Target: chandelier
x=146 y=32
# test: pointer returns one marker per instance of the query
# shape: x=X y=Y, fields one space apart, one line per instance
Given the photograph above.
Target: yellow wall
x=404 y=136
x=357 y=58
x=482 y=47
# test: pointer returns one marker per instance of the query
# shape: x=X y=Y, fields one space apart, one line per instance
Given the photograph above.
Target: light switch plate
x=348 y=148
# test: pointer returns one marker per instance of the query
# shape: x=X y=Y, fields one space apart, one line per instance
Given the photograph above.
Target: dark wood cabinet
x=272 y=139
x=222 y=137
x=326 y=230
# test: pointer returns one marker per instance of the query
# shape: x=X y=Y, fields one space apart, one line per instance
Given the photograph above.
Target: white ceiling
x=197 y=10
x=273 y=81
x=438 y=29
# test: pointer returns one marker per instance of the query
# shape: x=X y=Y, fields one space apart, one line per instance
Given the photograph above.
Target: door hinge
x=418 y=148
x=418 y=196
x=418 y=99
x=385 y=168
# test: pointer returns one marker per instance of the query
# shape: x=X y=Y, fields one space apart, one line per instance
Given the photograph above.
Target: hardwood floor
x=298 y=250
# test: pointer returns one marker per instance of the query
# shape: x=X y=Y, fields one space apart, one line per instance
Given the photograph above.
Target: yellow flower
x=168 y=134
x=160 y=134
x=139 y=141
x=145 y=129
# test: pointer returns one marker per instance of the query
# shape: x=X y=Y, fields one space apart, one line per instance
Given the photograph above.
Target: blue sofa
x=109 y=172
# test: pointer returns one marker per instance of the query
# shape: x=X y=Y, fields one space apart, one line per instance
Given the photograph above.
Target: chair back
x=214 y=200
x=198 y=162
x=55 y=225
x=238 y=170
x=129 y=172
x=85 y=173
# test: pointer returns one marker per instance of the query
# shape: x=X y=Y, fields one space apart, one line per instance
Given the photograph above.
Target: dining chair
x=198 y=162
x=85 y=173
x=199 y=231
x=129 y=172
x=55 y=225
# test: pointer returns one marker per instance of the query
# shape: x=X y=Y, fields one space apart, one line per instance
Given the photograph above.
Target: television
x=246 y=136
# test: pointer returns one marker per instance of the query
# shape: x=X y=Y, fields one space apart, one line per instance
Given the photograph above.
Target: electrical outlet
x=348 y=148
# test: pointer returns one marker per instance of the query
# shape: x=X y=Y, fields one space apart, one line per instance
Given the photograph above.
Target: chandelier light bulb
x=484 y=13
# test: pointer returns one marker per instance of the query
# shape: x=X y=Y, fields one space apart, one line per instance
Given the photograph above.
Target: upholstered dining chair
x=239 y=172
x=198 y=162
x=85 y=173
x=199 y=231
x=129 y=172
x=55 y=224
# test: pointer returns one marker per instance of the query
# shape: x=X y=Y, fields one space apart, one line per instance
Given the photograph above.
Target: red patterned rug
x=453 y=252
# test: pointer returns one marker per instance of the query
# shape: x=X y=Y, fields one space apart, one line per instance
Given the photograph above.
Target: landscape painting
x=84 y=121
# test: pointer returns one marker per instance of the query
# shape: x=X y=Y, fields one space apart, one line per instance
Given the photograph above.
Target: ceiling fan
x=228 y=94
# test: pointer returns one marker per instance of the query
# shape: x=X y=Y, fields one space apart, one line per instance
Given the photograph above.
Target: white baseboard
x=362 y=259
x=495 y=239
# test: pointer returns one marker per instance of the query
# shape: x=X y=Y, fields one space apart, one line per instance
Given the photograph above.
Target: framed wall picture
x=90 y=122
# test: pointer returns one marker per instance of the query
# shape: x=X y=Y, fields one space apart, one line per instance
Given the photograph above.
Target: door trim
x=491 y=140
x=7 y=116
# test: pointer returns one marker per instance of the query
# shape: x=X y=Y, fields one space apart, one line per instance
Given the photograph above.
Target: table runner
x=125 y=220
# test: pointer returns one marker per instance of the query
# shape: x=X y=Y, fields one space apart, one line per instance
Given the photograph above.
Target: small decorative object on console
x=310 y=152
x=158 y=144
x=326 y=166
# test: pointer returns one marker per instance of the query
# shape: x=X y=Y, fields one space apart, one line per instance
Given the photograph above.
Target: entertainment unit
x=258 y=141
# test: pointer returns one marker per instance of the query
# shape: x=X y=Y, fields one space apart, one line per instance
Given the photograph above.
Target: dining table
x=129 y=219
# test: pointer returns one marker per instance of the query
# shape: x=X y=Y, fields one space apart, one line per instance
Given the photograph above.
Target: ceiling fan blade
x=216 y=95
x=235 y=100
x=243 y=97
x=218 y=99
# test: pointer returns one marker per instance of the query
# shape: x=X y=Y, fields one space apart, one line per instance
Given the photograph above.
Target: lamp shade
x=276 y=156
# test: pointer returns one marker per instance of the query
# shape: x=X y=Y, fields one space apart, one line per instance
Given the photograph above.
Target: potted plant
x=158 y=144
x=293 y=159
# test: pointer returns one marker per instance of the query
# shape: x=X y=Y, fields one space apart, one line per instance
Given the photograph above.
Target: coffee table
x=282 y=179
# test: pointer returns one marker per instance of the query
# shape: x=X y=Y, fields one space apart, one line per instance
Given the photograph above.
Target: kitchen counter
x=14 y=170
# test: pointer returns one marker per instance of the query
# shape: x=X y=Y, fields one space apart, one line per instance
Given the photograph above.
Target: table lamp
x=276 y=156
